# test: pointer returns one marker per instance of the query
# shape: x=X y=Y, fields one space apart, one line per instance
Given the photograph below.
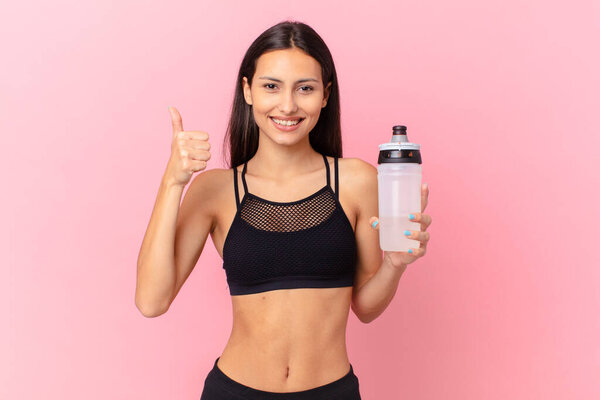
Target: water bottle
x=399 y=189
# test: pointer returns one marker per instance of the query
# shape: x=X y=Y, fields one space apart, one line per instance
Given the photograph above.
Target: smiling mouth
x=287 y=122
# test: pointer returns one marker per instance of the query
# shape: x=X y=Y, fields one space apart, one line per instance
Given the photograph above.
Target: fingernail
x=411 y=216
x=407 y=233
x=427 y=185
x=410 y=251
x=375 y=224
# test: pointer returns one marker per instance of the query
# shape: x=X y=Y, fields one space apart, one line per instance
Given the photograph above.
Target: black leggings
x=219 y=386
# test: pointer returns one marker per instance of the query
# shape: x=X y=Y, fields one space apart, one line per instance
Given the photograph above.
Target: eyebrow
x=280 y=81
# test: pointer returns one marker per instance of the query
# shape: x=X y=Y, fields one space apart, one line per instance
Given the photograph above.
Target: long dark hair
x=242 y=131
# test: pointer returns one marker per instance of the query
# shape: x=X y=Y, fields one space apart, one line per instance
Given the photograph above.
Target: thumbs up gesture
x=189 y=151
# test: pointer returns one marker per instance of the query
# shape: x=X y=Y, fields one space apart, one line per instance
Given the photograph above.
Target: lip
x=286 y=128
x=285 y=118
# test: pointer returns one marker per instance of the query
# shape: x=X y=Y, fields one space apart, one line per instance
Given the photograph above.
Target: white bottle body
x=399 y=194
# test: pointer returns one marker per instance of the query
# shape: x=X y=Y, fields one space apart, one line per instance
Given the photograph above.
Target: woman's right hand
x=189 y=152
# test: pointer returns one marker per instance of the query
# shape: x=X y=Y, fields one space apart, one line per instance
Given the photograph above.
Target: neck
x=279 y=162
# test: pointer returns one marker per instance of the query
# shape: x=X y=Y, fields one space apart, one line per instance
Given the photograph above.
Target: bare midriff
x=284 y=340
x=288 y=340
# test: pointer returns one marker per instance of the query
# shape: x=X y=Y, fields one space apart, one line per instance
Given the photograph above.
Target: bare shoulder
x=358 y=173
x=208 y=180
x=359 y=181
x=207 y=188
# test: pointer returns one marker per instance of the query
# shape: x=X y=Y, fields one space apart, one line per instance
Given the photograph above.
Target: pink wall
x=499 y=93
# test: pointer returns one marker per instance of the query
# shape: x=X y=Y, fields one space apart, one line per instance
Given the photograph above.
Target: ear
x=326 y=94
x=247 y=93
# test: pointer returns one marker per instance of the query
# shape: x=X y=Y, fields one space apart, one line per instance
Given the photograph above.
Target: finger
x=200 y=155
x=195 y=135
x=424 y=196
x=422 y=237
x=195 y=154
x=176 y=120
x=197 y=144
x=420 y=252
x=373 y=220
x=424 y=219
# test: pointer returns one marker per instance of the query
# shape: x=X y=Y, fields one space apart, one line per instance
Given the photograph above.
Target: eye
x=269 y=84
x=309 y=89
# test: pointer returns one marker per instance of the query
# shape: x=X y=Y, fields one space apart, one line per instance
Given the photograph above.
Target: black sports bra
x=307 y=243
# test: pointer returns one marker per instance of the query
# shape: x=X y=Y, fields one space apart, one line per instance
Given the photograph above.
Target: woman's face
x=287 y=84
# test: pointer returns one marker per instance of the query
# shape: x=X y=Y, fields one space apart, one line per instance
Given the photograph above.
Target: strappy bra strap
x=235 y=185
x=337 y=195
x=244 y=177
x=327 y=169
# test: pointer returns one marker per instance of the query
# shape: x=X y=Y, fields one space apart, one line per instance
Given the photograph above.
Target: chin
x=287 y=141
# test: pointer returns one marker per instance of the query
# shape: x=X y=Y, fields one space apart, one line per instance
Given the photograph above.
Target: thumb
x=176 y=120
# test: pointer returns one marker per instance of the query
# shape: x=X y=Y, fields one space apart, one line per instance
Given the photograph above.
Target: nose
x=287 y=104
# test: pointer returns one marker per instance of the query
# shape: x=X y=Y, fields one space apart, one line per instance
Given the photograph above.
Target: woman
x=291 y=220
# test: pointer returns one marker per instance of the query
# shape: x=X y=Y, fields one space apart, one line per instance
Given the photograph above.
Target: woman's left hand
x=400 y=259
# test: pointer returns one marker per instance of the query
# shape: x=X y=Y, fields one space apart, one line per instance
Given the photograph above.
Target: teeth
x=287 y=123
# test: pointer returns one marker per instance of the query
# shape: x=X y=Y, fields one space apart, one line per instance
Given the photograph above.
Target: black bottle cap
x=399 y=130
x=399 y=149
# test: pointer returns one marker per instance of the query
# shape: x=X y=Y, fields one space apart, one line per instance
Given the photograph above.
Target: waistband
x=324 y=392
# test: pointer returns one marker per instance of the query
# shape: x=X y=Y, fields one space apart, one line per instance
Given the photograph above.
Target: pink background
x=499 y=93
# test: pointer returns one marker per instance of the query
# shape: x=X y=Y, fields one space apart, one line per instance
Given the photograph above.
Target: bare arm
x=174 y=241
x=156 y=275
x=175 y=237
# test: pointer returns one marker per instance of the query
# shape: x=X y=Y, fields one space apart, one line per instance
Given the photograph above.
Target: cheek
x=311 y=106
x=261 y=107
x=263 y=104
x=314 y=110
